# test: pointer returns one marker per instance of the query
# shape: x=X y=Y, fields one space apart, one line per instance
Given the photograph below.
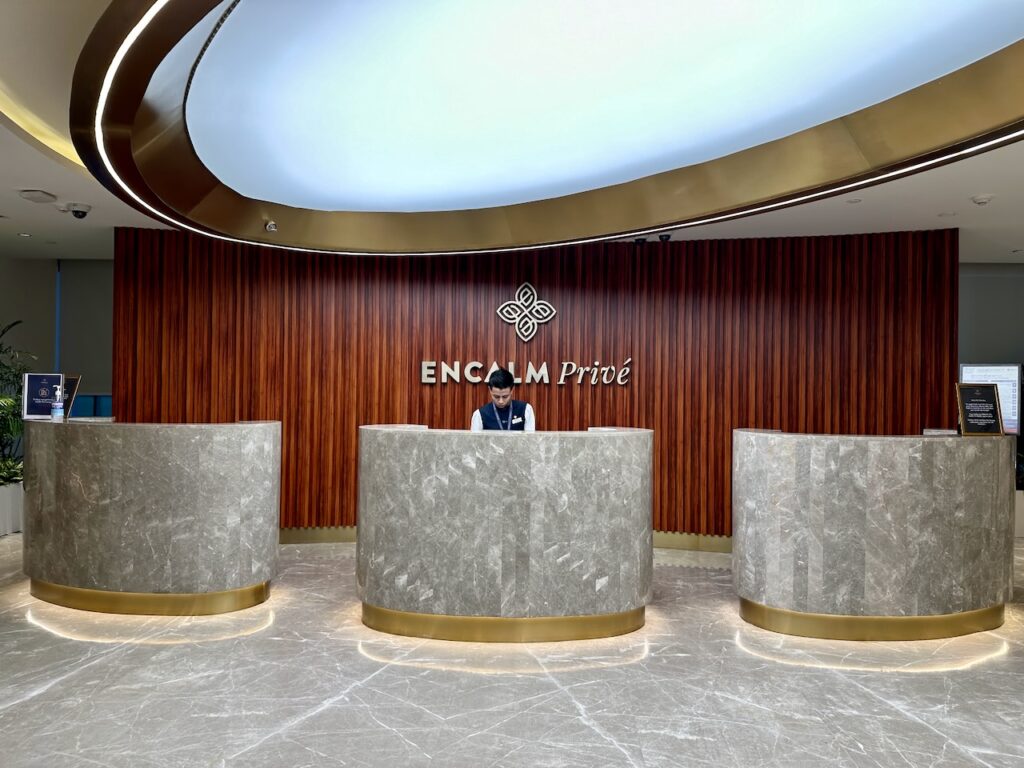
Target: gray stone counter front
x=912 y=534
x=504 y=536
x=151 y=518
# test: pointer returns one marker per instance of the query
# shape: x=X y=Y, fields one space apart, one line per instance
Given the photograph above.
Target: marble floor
x=299 y=681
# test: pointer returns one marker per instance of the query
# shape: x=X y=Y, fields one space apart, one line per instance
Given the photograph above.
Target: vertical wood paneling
x=852 y=334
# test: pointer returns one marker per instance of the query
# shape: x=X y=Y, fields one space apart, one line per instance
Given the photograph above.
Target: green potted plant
x=14 y=364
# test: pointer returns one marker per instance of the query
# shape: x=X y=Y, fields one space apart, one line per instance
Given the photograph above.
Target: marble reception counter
x=178 y=519
x=506 y=537
x=872 y=538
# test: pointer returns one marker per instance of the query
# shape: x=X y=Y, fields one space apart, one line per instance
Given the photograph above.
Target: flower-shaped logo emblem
x=526 y=312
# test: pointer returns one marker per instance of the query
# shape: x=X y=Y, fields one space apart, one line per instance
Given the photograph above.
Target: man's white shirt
x=530 y=424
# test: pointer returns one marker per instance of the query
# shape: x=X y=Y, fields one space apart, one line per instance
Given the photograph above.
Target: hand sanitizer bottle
x=57 y=407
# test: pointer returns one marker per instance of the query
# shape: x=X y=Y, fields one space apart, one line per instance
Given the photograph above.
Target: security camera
x=79 y=210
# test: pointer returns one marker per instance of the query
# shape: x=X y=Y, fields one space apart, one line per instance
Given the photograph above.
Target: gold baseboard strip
x=698 y=542
x=843 y=627
x=663 y=539
x=501 y=629
x=330 y=535
x=150 y=603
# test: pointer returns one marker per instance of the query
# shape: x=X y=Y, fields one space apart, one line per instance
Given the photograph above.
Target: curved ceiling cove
x=449 y=105
x=455 y=126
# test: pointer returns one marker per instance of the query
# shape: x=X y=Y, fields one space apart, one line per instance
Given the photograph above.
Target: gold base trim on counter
x=843 y=627
x=150 y=603
x=502 y=629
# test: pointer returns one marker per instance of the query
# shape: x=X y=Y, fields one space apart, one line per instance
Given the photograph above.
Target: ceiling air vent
x=37 y=196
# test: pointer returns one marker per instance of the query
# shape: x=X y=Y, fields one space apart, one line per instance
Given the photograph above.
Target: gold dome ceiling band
x=151 y=152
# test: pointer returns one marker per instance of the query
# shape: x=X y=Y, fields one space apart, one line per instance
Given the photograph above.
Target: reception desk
x=505 y=537
x=173 y=519
x=872 y=538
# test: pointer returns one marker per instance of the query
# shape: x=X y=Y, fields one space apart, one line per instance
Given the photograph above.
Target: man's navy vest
x=518 y=408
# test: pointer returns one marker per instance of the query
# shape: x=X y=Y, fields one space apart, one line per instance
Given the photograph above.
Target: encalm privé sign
x=527 y=312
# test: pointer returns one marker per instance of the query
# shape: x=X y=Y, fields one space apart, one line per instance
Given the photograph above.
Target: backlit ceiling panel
x=411 y=106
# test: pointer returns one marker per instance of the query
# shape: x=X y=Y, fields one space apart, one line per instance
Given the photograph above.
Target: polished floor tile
x=299 y=681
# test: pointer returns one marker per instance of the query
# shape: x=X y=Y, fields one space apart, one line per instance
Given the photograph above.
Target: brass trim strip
x=697 y=542
x=327 y=535
x=150 y=603
x=502 y=629
x=979 y=105
x=844 y=627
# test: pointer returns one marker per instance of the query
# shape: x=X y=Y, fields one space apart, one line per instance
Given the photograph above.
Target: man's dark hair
x=501 y=379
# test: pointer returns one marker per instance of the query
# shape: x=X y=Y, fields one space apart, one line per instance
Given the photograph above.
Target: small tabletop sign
x=38 y=392
x=979 y=409
x=70 y=390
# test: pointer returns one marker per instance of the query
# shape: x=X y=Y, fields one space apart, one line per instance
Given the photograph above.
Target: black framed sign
x=38 y=392
x=1007 y=376
x=69 y=390
x=979 y=409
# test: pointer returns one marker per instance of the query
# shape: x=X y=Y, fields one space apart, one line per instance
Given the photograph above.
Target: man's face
x=501 y=397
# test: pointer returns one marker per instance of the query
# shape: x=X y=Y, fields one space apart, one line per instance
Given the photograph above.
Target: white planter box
x=11 y=502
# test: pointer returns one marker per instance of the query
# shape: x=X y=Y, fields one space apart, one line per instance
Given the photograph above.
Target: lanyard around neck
x=501 y=426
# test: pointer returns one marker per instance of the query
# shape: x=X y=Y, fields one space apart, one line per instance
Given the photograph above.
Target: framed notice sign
x=979 y=409
x=1007 y=378
x=38 y=392
x=70 y=390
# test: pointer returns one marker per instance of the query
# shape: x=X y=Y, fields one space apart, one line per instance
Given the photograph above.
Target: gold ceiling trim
x=978 y=107
x=34 y=129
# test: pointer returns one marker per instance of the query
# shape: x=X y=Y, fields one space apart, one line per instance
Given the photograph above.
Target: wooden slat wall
x=852 y=334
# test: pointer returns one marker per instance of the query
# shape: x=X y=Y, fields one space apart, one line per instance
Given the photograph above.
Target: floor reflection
x=904 y=657
x=106 y=628
x=507 y=658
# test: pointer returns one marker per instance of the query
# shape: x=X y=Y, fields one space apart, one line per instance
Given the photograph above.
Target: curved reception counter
x=504 y=537
x=171 y=519
x=872 y=538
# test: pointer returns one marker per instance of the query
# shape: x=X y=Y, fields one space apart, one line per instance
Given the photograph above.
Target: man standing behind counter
x=503 y=412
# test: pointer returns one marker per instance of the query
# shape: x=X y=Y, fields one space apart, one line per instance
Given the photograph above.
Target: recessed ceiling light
x=37 y=195
x=855 y=200
x=947 y=214
x=24 y=234
x=982 y=199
